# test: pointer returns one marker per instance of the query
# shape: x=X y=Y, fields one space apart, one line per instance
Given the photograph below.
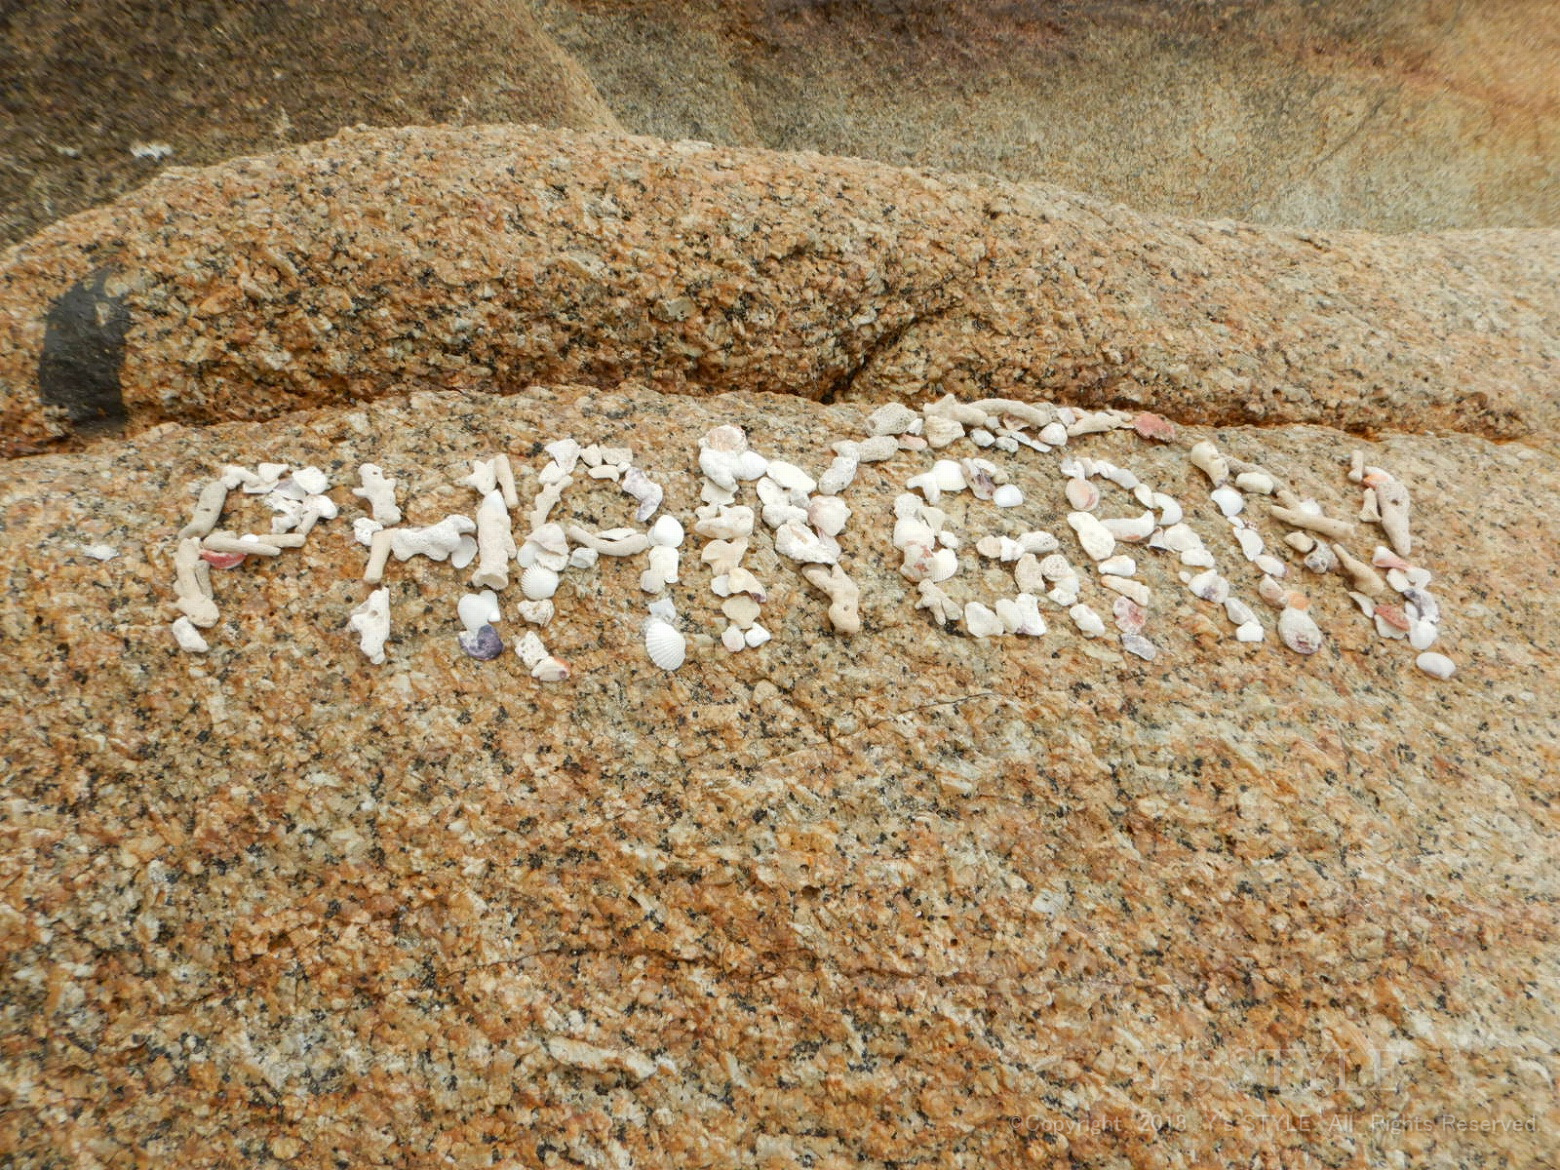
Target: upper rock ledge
x=491 y=258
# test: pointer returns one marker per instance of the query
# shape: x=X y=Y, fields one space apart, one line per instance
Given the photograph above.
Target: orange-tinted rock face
x=489 y=259
x=903 y=894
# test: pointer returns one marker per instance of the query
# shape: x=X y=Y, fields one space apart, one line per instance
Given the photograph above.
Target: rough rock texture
x=490 y=258
x=1391 y=115
x=905 y=898
x=86 y=83
x=1380 y=114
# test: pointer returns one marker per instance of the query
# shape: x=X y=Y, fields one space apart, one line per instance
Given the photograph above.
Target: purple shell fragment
x=482 y=645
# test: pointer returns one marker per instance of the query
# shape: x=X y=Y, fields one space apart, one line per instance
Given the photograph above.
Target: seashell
x=709 y=493
x=1367 y=604
x=1436 y=665
x=1301 y=542
x=1321 y=525
x=538 y=613
x=1139 y=645
x=1065 y=592
x=644 y=489
x=980 y=477
x=777 y=515
x=1118 y=566
x=188 y=637
x=1250 y=541
x=1054 y=434
x=941 y=432
x=727 y=523
x=550 y=669
x=943 y=608
x=755 y=636
x=1130 y=616
x=740 y=610
x=1422 y=634
x=790 y=477
x=1030 y=623
x=1197 y=558
x=1082 y=495
x=1394 y=617
x=1169 y=509
x=982 y=622
x=739 y=580
x=1429 y=608
x=799 y=543
x=892 y=418
x=926 y=484
x=1028 y=574
x=949 y=476
x=731 y=638
x=828 y=514
x=1055 y=567
x=1007 y=496
x=1272 y=592
x=483 y=644
x=1229 y=500
x=1321 y=559
x=1257 y=482
x=1120 y=476
x=1181 y=538
x=1088 y=622
x=1393 y=503
x=838 y=476
x=667 y=532
x=1038 y=542
x=530 y=650
x=1251 y=631
x=1238 y=611
x=1271 y=565
x=1298 y=631
x=917 y=564
x=1362 y=576
x=371 y=622
x=1127 y=587
x=564 y=452
x=583 y=558
x=1209 y=586
x=875 y=449
x=1206 y=458
x=478 y=609
x=1144 y=495
x=1155 y=427
x=539 y=582
x=945 y=563
x=222 y=560
x=1130 y=529
x=665 y=644
x=483 y=477
x=980 y=436
x=1385 y=558
x=1097 y=540
x=722 y=556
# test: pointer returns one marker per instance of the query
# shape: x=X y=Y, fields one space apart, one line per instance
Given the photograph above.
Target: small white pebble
x=1229 y=500
x=1435 y=665
x=756 y=636
x=1249 y=632
x=1007 y=496
x=188 y=637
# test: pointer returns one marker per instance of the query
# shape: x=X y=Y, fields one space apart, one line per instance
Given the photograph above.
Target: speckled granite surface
x=903 y=899
x=490 y=258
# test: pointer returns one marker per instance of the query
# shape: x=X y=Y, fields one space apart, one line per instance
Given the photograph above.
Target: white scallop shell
x=539 y=582
x=665 y=645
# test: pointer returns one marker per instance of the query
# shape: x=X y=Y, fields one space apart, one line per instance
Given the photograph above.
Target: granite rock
x=1388 y=115
x=904 y=897
x=101 y=95
x=488 y=258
